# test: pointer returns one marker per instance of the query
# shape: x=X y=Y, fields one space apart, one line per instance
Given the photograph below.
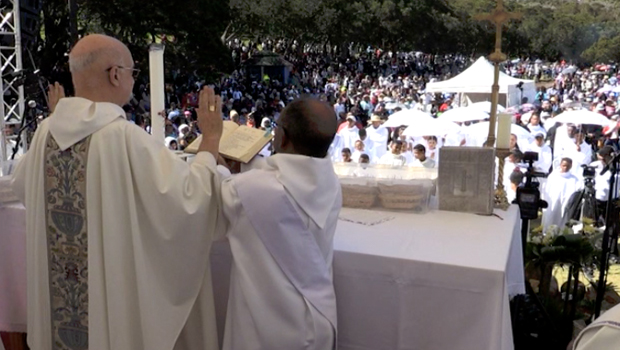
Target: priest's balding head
x=306 y=127
x=102 y=69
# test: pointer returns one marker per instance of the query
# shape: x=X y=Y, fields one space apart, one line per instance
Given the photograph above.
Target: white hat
x=265 y=123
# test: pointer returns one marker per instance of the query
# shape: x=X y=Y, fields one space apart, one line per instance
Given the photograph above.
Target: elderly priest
x=283 y=217
x=118 y=228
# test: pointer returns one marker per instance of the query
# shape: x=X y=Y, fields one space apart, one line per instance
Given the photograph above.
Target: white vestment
x=427 y=163
x=379 y=137
x=266 y=309
x=583 y=156
x=151 y=218
x=545 y=157
x=392 y=159
x=349 y=136
x=335 y=149
x=560 y=187
x=602 y=334
x=355 y=156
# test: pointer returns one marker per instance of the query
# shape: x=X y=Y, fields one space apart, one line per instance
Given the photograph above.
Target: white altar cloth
x=435 y=281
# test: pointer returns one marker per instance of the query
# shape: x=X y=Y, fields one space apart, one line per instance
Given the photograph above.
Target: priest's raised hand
x=119 y=228
x=210 y=121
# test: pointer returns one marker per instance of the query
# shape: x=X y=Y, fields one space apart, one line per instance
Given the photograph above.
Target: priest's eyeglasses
x=134 y=71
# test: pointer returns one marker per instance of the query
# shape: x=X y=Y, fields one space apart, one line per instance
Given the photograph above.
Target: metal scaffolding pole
x=11 y=70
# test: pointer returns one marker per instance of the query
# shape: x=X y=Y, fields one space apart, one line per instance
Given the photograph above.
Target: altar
x=439 y=280
x=435 y=281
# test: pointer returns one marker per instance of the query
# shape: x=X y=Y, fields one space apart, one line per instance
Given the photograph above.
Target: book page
x=229 y=128
x=244 y=143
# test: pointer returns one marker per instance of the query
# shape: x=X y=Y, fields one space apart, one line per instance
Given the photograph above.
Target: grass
x=561 y=274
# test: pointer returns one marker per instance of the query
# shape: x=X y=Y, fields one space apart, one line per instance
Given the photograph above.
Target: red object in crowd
x=344 y=125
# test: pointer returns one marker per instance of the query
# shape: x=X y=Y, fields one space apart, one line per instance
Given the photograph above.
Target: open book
x=240 y=143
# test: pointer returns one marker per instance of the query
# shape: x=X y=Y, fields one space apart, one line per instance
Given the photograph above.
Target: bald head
x=101 y=68
x=310 y=126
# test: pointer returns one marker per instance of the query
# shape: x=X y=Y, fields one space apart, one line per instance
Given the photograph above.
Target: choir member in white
x=534 y=125
x=350 y=133
x=394 y=158
x=421 y=160
x=378 y=135
x=559 y=188
x=282 y=219
x=360 y=149
x=432 y=151
x=545 y=155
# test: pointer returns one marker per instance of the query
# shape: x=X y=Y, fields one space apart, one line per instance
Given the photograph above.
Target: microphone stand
x=608 y=240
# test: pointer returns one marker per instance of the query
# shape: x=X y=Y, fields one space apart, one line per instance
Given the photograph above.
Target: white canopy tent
x=476 y=82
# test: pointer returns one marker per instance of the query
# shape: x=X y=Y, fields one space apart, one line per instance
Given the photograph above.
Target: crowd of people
x=366 y=86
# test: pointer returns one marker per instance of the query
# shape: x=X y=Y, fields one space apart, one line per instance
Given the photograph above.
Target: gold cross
x=499 y=17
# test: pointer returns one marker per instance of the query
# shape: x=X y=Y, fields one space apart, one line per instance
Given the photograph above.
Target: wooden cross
x=499 y=17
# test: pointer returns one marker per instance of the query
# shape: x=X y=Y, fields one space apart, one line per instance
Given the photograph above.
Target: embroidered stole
x=288 y=240
x=67 y=243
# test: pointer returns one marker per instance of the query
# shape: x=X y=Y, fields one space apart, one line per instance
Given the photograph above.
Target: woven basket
x=403 y=201
x=358 y=196
x=401 y=189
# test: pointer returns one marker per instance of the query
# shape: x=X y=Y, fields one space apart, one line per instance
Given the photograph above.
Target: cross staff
x=499 y=17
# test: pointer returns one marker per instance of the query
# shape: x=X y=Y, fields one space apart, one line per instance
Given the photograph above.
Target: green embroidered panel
x=67 y=243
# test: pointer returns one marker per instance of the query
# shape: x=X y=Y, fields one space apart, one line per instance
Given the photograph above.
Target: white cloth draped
x=151 y=219
x=265 y=310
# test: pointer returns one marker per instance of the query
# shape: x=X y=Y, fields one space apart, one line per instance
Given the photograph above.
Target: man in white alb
x=378 y=135
x=394 y=158
x=560 y=187
x=545 y=155
x=282 y=220
x=350 y=133
x=119 y=229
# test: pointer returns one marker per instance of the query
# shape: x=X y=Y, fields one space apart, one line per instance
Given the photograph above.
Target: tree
x=604 y=50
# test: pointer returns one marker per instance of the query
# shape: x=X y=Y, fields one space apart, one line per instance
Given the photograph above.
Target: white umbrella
x=464 y=114
x=582 y=116
x=432 y=127
x=406 y=117
x=486 y=106
x=481 y=130
x=605 y=89
x=393 y=105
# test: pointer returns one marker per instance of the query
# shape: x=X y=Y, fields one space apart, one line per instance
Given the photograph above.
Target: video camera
x=589 y=172
x=528 y=195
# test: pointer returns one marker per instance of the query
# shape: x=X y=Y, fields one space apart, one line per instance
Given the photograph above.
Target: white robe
x=545 y=157
x=265 y=311
x=560 y=187
x=602 y=334
x=349 y=136
x=379 y=137
x=392 y=159
x=151 y=218
x=335 y=149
